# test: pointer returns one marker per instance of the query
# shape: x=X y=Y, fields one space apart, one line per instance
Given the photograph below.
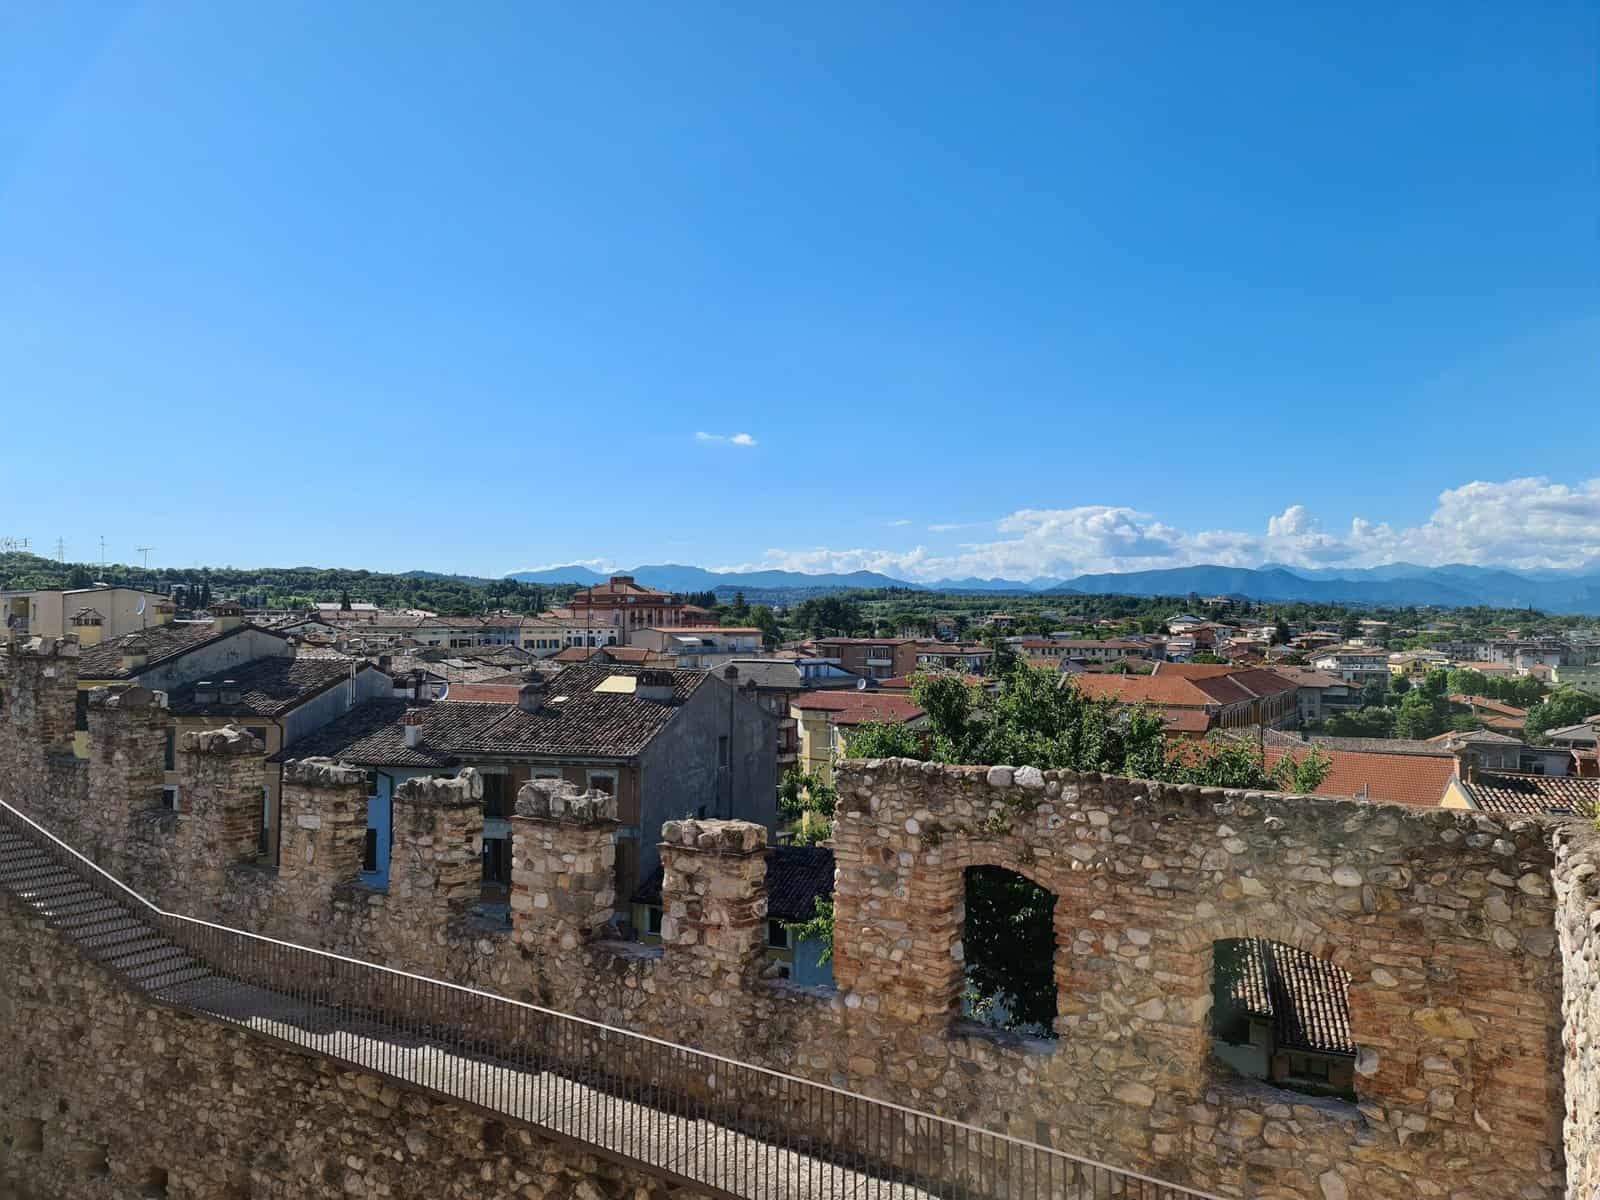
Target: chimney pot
x=413 y=727
x=531 y=695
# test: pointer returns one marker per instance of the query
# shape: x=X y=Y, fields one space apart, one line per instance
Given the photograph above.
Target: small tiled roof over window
x=1307 y=998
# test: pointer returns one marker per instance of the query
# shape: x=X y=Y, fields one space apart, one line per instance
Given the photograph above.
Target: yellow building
x=824 y=720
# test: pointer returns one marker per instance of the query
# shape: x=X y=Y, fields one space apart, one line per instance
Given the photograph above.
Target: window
x=169 y=761
x=495 y=788
x=259 y=732
x=169 y=799
x=369 y=854
x=777 y=935
x=652 y=919
x=722 y=751
x=602 y=781
x=1010 y=943
x=1282 y=1015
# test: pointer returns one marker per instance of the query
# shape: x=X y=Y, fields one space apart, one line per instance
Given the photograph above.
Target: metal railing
x=722 y=1126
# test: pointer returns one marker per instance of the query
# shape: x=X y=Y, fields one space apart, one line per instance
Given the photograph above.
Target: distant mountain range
x=1394 y=585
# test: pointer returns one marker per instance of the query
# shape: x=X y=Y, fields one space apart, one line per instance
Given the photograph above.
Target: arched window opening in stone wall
x=1282 y=1014
x=1009 y=945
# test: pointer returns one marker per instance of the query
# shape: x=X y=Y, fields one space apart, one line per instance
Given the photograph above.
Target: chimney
x=135 y=653
x=229 y=614
x=205 y=692
x=1466 y=768
x=385 y=661
x=229 y=692
x=530 y=696
x=89 y=625
x=654 y=685
x=413 y=727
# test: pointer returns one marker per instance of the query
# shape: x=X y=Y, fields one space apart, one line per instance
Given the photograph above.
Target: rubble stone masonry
x=1477 y=1077
x=105 y=1094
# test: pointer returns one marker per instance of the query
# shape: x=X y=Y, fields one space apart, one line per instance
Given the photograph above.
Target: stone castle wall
x=1447 y=922
x=105 y=1094
x=1577 y=880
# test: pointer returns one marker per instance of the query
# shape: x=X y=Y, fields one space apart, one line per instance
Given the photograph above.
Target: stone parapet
x=42 y=691
x=714 y=910
x=324 y=826
x=563 y=866
x=220 y=780
x=435 y=866
x=127 y=761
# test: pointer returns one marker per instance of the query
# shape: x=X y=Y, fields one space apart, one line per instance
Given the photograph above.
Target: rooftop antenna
x=102 y=554
x=61 y=550
x=145 y=550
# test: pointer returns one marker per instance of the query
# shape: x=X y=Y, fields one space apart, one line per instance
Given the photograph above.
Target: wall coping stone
x=719 y=837
x=231 y=740
x=558 y=800
x=322 y=773
x=442 y=791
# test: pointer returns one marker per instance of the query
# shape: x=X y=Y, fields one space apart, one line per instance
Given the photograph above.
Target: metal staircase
x=723 y=1127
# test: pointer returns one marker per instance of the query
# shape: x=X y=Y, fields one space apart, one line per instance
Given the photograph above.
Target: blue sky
x=1030 y=289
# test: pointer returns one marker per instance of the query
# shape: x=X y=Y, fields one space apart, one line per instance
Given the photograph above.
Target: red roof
x=856 y=708
x=1415 y=779
x=1495 y=706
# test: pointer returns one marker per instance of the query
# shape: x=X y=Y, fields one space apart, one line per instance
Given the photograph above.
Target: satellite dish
x=443 y=691
x=861 y=685
x=140 y=609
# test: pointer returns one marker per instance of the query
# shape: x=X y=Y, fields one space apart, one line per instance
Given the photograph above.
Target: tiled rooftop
x=267 y=687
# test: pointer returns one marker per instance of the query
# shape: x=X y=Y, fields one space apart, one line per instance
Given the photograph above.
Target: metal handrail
x=703 y=1119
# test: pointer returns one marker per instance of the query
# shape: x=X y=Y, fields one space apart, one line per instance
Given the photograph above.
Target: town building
x=627 y=605
x=699 y=646
x=825 y=720
x=972 y=658
x=1359 y=665
x=774 y=683
x=93 y=613
x=1195 y=698
x=871 y=658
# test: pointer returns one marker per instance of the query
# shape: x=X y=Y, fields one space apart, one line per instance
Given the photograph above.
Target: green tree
x=344 y=601
x=1205 y=656
x=1421 y=715
x=1464 y=682
x=1562 y=707
x=1350 y=627
x=1280 y=633
x=878 y=739
x=1369 y=722
x=1004 y=658
x=1374 y=693
x=764 y=619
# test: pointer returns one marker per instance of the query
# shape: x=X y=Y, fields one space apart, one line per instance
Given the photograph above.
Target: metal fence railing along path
x=722 y=1126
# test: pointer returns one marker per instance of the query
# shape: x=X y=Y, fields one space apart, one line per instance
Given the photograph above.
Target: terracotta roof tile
x=856 y=708
x=1530 y=795
x=1415 y=779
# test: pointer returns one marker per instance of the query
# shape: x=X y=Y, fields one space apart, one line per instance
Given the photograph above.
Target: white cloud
x=742 y=439
x=899 y=524
x=734 y=439
x=1516 y=523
